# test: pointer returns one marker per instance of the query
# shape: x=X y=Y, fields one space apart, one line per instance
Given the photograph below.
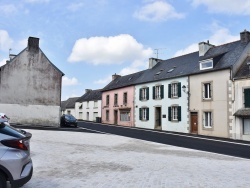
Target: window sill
x=208 y=99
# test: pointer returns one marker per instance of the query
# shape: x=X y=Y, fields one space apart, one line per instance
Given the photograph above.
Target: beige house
x=211 y=87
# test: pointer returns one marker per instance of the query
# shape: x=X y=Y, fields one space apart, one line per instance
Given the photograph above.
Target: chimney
x=245 y=36
x=87 y=90
x=153 y=62
x=33 y=44
x=204 y=47
x=114 y=76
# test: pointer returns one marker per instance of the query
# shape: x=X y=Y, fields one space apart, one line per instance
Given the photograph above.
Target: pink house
x=118 y=100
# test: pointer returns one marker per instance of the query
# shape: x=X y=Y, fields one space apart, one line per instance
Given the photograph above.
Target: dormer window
x=206 y=64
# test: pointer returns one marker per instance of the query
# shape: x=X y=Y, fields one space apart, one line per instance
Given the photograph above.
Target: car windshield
x=70 y=117
x=11 y=131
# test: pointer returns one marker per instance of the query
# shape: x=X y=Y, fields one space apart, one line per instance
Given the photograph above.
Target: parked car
x=4 y=116
x=15 y=161
x=67 y=120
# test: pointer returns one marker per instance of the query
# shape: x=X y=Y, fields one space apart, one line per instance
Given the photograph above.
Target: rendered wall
x=32 y=114
x=181 y=126
x=91 y=109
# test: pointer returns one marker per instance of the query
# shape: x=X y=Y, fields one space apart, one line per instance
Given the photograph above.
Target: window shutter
x=162 y=91
x=179 y=89
x=179 y=113
x=140 y=94
x=147 y=113
x=169 y=90
x=247 y=98
x=153 y=92
x=140 y=114
x=169 y=113
x=147 y=92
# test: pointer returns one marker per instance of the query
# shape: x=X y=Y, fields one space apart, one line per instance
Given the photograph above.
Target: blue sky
x=89 y=40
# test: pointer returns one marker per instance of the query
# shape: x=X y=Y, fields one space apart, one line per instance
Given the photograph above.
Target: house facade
x=68 y=106
x=88 y=106
x=30 y=87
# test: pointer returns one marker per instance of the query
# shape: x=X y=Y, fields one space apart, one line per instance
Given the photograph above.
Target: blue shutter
x=147 y=113
x=147 y=92
x=179 y=113
x=247 y=98
x=169 y=90
x=140 y=94
x=169 y=114
x=162 y=91
x=179 y=89
x=153 y=92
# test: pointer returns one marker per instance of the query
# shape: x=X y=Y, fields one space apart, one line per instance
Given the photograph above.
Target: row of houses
x=206 y=92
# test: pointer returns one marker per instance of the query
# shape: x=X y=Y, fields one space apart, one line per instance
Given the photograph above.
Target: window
x=144 y=114
x=174 y=90
x=116 y=99
x=87 y=104
x=95 y=104
x=68 y=112
x=158 y=92
x=87 y=115
x=95 y=115
x=207 y=119
x=207 y=94
x=246 y=126
x=125 y=115
x=247 y=97
x=207 y=64
x=80 y=115
x=107 y=115
x=125 y=98
x=107 y=100
x=144 y=94
x=174 y=113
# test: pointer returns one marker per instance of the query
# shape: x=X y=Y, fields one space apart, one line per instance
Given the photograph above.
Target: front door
x=158 y=118
x=115 y=117
x=194 y=122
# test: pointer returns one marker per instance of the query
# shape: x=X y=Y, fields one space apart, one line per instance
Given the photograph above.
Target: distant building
x=30 y=87
x=68 y=106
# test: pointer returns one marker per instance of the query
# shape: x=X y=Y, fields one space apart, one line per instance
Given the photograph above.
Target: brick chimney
x=33 y=44
x=204 y=47
x=114 y=76
x=245 y=36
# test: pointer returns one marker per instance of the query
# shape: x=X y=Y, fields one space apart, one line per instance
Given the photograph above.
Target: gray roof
x=224 y=56
x=243 y=112
x=70 y=103
x=92 y=95
x=243 y=72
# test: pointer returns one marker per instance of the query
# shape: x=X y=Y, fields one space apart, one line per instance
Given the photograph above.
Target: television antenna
x=157 y=51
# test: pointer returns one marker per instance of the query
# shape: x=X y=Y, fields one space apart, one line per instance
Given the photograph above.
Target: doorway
x=158 y=118
x=194 y=122
x=115 y=116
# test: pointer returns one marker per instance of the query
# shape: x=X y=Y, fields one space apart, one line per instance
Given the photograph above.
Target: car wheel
x=3 y=182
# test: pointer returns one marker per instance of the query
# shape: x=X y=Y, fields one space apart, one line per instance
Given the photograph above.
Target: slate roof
x=243 y=112
x=70 y=103
x=243 y=72
x=224 y=56
x=92 y=95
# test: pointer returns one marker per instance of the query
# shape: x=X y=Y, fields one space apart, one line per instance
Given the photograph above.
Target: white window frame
x=207 y=90
x=205 y=64
x=157 y=92
x=207 y=119
x=124 y=115
x=174 y=89
x=174 y=113
x=144 y=114
x=144 y=93
x=95 y=104
x=87 y=104
x=246 y=132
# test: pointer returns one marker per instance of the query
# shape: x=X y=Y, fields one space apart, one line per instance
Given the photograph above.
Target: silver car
x=15 y=161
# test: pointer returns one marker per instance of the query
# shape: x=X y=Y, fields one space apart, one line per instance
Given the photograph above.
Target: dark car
x=67 y=120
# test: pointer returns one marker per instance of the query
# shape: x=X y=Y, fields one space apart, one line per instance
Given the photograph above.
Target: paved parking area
x=75 y=160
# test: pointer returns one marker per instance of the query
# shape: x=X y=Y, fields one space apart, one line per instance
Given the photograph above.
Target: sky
x=90 y=40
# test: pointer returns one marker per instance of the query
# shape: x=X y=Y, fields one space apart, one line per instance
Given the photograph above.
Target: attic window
x=206 y=64
x=158 y=73
x=130 y=78
x=170 y=70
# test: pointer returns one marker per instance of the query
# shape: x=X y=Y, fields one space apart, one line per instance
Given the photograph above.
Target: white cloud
x=104 y=81
x=239 y=7
x=3 y=62
x=219 y=36
x=8 y=9
x=69 y=81
x=75 y=6
x=157 y=11
x=5 y=41
x=109 y=50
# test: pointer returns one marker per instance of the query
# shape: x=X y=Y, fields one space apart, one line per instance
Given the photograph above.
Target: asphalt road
x=209 y=144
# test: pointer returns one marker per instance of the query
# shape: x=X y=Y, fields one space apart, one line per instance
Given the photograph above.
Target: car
x=4 y=117
x=16 y=165
x=68 y=120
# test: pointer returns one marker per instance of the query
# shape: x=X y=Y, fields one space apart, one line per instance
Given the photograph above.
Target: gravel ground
x=75 y=160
